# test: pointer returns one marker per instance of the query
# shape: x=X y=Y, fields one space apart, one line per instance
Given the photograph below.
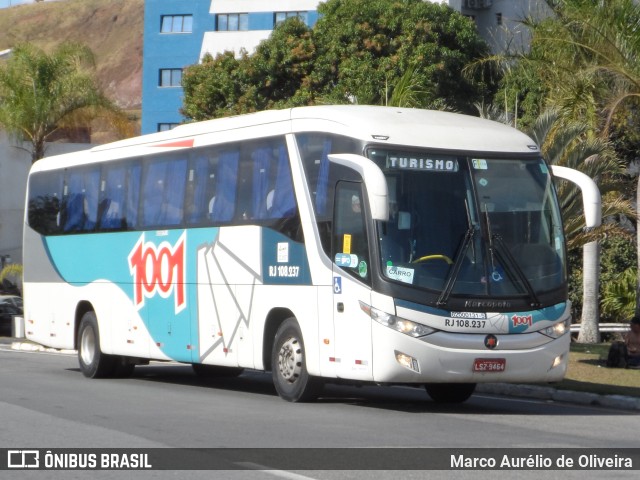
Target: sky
x=7 y=3
x=10 y=3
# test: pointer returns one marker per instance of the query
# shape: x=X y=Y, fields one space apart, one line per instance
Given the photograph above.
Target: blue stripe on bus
x=83 y=259
x=523 y=321
x=106 y=257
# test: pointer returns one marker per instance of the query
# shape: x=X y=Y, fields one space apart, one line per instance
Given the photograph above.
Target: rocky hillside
x=111 y=28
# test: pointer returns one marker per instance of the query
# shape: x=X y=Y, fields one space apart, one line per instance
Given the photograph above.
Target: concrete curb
x=34 y=347
x=567 y=396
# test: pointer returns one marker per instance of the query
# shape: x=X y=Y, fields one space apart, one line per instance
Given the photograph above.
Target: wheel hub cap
x=88 y=346
x=290 y=360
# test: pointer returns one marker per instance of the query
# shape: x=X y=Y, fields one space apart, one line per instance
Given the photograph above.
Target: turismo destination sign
x=409 y=162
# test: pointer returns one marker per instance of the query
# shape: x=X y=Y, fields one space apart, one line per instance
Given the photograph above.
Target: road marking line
x=275 y=473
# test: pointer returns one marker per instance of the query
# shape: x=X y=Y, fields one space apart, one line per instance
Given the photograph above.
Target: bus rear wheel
x=216 y=371
x=288 y=367
x=93 y=363
x=450 y=392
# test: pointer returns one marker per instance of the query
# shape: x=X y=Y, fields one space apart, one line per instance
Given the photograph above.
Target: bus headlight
x=401 y=325
x=556 y=330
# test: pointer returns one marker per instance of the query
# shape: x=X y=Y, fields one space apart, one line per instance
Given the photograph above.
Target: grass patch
x=587 y=373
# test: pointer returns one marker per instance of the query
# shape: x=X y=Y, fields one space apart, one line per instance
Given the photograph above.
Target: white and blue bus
x=365 y=244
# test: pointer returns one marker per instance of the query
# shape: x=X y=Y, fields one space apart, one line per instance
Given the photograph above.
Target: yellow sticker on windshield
x=346 y=244
x=479 y=164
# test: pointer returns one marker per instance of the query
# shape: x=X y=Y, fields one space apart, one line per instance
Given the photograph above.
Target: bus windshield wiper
x=511 y=264
x=455 y=269
x=503 y=253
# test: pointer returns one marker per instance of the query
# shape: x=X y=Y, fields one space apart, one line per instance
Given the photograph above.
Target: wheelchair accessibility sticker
x=337 y=285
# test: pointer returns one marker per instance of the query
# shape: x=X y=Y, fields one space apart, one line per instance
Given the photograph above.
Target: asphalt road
x=45 y=402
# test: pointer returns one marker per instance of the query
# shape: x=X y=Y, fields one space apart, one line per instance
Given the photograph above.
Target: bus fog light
x=557 y=361
x=407 y=361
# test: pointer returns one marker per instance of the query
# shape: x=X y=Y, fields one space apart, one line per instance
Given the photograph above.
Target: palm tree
x=407 y=91
x=619 y=298
x=584 y=64
x=571 y=145
x=41 y=93
x=594 y=48
x=12 y=271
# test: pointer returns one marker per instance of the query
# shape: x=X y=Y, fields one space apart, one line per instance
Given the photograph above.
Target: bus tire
x=216 y=371
x=288 y=366
x=450 y=392
x=93 y=363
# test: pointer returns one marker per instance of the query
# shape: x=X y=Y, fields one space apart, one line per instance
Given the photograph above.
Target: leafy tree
x=408 y=53
x=214 y=87
x=383 y=39
x=41 y=93
x=278 y=73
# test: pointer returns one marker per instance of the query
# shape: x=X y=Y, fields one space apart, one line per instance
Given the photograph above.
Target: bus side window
x=45 y=192
x=112 y=206
x=200 y=194
x=133 y=193
x=272 y=187
x=350 y=233
x=243 y=184
x=282 y=203
x=79 y=211
x=262 y=160
x=164 y=187
x=224 y=204
x=321 y=175
x=119 y=196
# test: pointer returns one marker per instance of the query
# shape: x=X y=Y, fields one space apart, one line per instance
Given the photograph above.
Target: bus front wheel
x=93 y=363
x=288 y=368
x=450 y=392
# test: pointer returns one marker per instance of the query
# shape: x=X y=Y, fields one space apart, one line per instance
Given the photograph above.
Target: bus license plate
x=489 y=365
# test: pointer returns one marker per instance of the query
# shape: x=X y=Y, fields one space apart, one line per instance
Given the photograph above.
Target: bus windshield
x=472 y=226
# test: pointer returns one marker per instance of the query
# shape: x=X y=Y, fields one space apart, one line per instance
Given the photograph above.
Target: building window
x=170 y=77
x=233 y=22
x=176 y=24
x=164 y=127
x=498 y=19
x=282 y=16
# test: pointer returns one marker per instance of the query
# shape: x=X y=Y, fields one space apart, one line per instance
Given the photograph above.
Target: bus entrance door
x=351 y=280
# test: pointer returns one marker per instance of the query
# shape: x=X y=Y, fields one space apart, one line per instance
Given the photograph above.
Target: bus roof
x=421 y=128
x=381 y=125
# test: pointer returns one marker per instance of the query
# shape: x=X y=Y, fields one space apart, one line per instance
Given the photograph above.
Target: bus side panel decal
x=284 y=261
x=159 y=270
x=231 y=261
x=155 y=270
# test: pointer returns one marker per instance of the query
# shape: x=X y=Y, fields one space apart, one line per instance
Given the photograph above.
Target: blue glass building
x=177 y=33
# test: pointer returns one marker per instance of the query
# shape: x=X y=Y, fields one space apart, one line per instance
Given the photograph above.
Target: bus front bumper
x=457 y=358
